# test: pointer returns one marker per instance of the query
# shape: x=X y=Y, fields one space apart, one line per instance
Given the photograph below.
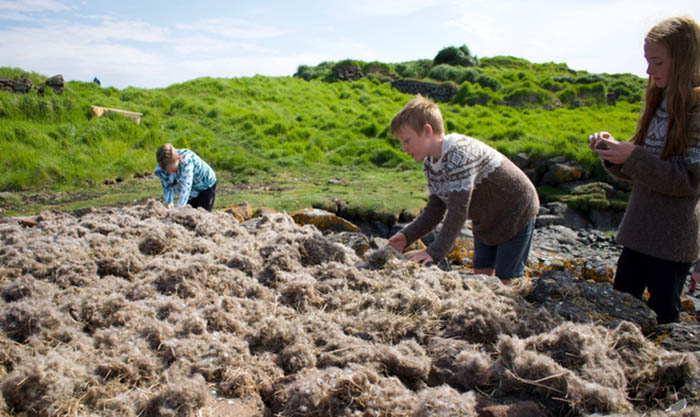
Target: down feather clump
x=143 y=311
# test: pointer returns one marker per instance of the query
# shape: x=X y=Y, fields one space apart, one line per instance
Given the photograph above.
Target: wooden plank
x=100 y=111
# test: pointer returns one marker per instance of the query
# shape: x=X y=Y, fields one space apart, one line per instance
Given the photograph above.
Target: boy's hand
x=422 y=257
x=398 y=242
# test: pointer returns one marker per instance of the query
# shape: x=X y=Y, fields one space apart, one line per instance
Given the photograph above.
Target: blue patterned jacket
x=193 y=176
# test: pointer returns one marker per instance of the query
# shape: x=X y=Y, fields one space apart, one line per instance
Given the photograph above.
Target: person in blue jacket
x=184 y=172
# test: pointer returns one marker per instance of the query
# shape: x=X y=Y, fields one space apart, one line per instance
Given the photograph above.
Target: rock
x=6 y=84
x=565 y=235
x=334 y=205
x=569 y=217
x=521 y=409
x=575 y=220
x=406 y=217
x=27 y=221
x=240 y=211
x=533 y=175
x=605 y=219
x=562 y=172
x=553 y=246
x=347 y=71
x=56 y=84
x=22 y=85
x=593 y=269
x=323 y=220
x=462 y=252
x=439 y=92
x=589 y=302
x=418 y=245
x=682 y=337
x=548 y=219
x=261 y=211
x=375 y=228
x=521 y=160
x=359 y=242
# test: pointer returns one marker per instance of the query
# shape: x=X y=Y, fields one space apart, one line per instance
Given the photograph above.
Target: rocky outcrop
x=24 y=84
x=19 y=85
x=323 y=220
x=347 y=71
x=55 y=83
x=590 y=302
x=438 y=92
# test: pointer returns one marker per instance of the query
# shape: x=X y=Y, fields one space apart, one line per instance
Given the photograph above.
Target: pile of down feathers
x=144 y=311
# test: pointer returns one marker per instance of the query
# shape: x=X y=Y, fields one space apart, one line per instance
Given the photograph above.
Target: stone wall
x=438 y=92
x=24 y=84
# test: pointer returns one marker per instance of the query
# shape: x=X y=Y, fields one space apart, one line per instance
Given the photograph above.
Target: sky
x=154 y=44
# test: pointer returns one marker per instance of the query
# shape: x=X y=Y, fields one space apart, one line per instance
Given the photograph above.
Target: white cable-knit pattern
x=656 y=133
x=465 y=162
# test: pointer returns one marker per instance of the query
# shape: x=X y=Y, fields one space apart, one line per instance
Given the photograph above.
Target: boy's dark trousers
x=664 y=279
x=205 y=199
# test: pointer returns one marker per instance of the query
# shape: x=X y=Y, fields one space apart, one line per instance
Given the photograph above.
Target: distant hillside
x=502 y=80
x=264 y=127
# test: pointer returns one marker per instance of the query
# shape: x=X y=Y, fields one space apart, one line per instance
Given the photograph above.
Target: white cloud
x=383 y=8
x=342 y=47
x=231 y=28
x=81 y=40
x=206 y=45
x=598 y=37
x=283 y=65
x=29 y=6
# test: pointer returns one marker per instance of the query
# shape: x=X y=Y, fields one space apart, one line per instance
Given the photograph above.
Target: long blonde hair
x=681 y=36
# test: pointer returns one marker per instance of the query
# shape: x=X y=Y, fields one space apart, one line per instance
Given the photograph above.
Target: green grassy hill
x=297 y=133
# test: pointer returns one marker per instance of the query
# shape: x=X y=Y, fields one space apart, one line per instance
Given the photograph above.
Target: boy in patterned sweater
x=467 y=179
x=184 y=171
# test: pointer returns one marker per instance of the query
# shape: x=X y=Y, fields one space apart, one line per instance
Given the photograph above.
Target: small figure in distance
x=183 y=171
x=660 y=230
x=466 y=179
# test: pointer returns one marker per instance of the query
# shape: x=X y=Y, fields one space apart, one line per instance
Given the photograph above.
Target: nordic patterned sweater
x=472 y=180
x=663 y=215
x=193 y=176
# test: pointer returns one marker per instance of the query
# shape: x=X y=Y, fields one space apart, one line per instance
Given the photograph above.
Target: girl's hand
x=596 y=140
x=605 y=145
x=422 y=257
x=398 y=242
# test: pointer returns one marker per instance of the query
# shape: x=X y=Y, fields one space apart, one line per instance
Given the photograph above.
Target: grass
x=293 y=134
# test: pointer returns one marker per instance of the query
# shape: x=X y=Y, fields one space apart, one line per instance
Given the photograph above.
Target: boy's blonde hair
x=416 y=114
x=166 y=155
x=681 y=37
